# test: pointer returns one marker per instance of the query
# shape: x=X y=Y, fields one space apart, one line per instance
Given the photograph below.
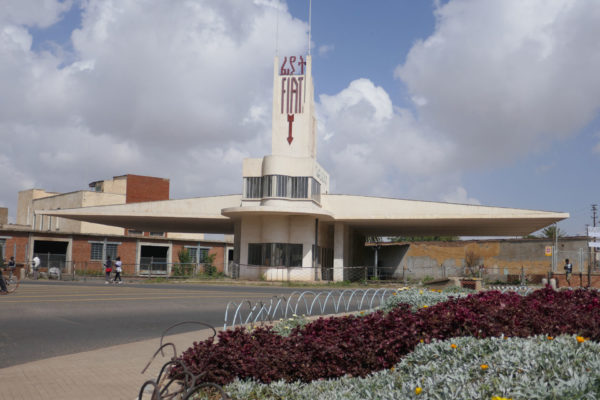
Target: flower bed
x=494 y=368
x=357 y=346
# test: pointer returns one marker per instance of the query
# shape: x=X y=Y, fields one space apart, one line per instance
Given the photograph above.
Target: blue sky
x=467 y=101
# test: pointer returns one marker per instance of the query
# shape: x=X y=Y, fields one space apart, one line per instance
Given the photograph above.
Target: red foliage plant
x=356 y=346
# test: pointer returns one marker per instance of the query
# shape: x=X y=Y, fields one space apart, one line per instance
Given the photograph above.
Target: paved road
x=48 y=319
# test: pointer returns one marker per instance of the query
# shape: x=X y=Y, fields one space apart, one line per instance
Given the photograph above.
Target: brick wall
x=146 y=188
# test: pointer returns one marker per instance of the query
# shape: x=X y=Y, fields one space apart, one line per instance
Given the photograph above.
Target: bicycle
x=12 y=284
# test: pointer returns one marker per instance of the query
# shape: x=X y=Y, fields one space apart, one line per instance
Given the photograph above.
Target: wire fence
x=148 y=269
x=511 y=275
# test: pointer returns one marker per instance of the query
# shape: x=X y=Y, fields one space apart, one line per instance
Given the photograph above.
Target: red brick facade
x=146 y=188
x=19 y=243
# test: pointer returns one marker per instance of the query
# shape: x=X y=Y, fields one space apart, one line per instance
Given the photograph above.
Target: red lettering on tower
x=291 y=95
x=290 y=119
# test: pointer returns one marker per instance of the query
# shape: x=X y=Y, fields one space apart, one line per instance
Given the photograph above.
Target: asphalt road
x=48 y=319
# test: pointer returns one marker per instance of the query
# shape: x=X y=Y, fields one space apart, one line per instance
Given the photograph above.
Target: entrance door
x=51 y=253
x=154 y=260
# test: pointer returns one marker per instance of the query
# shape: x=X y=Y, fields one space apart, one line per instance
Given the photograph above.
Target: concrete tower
x=277 y=223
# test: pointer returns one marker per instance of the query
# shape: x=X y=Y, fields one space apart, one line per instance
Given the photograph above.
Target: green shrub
x=285 y=326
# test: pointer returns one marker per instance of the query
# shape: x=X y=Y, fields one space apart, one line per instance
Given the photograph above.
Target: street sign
x=594 y=244
x=548 y=251
x=594 y=231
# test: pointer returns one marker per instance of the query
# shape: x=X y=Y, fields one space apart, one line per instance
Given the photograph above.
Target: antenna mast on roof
x=277 y=33
x=309 y=23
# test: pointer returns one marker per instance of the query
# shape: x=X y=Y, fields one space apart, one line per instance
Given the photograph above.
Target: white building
x=286 y=216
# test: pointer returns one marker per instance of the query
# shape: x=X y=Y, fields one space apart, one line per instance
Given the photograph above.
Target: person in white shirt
x=35 y=265
x=118 y=270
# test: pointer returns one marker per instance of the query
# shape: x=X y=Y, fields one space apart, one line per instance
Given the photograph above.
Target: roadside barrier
x=307 y=303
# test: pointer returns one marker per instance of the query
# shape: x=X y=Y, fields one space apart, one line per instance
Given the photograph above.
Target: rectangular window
x=202 y=255
x=134 y=232
x=299 y=187
x=295 y=252
x=267 y=186
x=111 y=250
x=315 y=190
x=193 y=252
x=96 y=253
x=253 y=187
x=255 y=254
x=275 y=254
x=98 y=247
x=198 y=254
x=282 y=183
x=157 y=234
x=279 y=254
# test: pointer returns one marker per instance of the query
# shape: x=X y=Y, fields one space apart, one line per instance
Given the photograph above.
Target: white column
x=338 y=251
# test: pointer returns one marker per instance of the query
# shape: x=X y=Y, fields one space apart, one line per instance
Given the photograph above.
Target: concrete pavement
x=111 y=373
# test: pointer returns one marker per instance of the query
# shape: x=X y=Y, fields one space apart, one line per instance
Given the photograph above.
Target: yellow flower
x=393 y=369
x=484 y=366
x=453 y=346
x=580 y=339
x=550 y=338
x=425 y=306
x=420 y=292
x=418 y=390
x=422 y=341
x=500 y=398
x=394 y=294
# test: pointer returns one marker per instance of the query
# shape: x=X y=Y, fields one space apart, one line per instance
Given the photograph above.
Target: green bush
x=185 y=265
x=419 y=298
x=209 y=268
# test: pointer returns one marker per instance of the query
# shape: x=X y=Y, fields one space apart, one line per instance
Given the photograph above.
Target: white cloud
x=154 y=87
x=325 y=49
x=183 y=90
x=502 y=79
x=34 y=12
x=372 y=148
x=459 y=195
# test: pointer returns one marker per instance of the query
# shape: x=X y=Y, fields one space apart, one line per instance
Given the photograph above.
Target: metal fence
x=306 y=303
x=53 y=268
x=518 y=275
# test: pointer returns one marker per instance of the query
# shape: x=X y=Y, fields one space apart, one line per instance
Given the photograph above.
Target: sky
x=466 y=101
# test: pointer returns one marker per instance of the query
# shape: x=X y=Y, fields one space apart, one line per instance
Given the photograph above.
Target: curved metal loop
x=176 y=380
x=160 y=351
x=311 y=302
x=183 y=323
x=143 y=388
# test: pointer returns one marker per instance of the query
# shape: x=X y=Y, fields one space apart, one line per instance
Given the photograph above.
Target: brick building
x=75 y=245
x=85 y=253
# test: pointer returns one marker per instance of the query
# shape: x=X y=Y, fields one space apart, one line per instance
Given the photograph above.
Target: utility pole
x=592 y=249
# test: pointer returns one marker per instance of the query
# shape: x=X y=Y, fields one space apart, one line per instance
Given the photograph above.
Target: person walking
x=568 y=271
x=107 y=269
x=3 y=289
x=11 y=267
x=118 y=270
x=35 y=265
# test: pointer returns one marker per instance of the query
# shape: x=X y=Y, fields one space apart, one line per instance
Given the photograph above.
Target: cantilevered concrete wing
x=396 y=217
x=202 y=215
x=367 y=215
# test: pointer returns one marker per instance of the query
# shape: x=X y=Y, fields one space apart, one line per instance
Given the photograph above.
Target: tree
x=472 y=261
x=550 y=231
